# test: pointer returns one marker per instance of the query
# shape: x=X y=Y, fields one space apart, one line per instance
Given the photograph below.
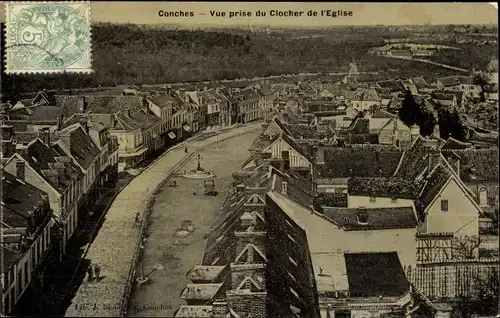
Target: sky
x=362 y=13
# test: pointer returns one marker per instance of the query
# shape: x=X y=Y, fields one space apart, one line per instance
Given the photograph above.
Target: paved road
x=186 y=202
x=114 y=246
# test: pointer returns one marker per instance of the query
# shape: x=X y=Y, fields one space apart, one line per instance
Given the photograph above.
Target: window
x=372 y=199
x=444 y=205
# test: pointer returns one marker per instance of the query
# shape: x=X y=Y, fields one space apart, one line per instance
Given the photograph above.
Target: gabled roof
x=42 y=157
x=367 y=94
x=200 y=291
x=375 y=275
x=420 y=82
x=377 y=218
x=82 y=148
x=194 y=311
x=383 y=187
x=454 y=144
x=360 y=161
x=392 y=85
x=492 y=66
x=443 y=96
x=163 y=100
x=435 y=182
x=292 y=144
x=414 y=161
x=18 y=200
x=305 y=131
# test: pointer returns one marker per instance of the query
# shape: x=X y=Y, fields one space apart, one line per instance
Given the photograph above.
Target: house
x=464 y=84
x=232 y=113
x=213 y=107
x=335 y=165
x=224 y=109
x=162 y=107
x=282 y=146
x=256 y=261
x=445 y=99
x=26 y=237
x=276 y=126
x=365 y=99
x=267 y=98
x=334 y=233
x=40 y=165
x=478 y=169
x=75 y=142
x=368 y=280
x=444 y=204
x=421 y=85
x=394 y=87
x=396 y=133
x=248 y=105
x=108 y=158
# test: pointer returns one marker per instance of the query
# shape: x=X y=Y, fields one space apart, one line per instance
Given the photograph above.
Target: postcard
x=238 y=159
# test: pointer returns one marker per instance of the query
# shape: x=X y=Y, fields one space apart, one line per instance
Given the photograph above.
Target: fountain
x=199 y=172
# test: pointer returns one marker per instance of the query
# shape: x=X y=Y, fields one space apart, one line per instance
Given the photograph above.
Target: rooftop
x=364 y=219
x=205 y=272
x=375 y=275
x=200 y=291
x=194 y=311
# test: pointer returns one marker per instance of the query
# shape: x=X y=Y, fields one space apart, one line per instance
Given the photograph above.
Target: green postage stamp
x=48 y=37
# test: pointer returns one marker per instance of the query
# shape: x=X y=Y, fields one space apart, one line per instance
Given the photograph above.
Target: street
x=115 y=245
x=174 y=206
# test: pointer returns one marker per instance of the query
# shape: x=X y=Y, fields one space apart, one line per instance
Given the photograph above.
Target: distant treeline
x=130 y=54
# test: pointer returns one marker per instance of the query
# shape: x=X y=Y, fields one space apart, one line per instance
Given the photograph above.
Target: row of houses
x=49 y=187
x=144 y=124
x=312 y=229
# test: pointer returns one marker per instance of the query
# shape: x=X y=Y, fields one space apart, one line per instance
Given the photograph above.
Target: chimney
x=415 y=132
x=46 y=136
x=85 y=125
x=434 y=159
x=20 y=170
x=129 y=112
x=60 y=121
x=284 y=188
x=80 y=105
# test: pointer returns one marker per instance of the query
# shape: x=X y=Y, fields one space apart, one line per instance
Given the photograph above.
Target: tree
x=451 y=125
x=482 y=80
x=427 y=122
x=409 y=112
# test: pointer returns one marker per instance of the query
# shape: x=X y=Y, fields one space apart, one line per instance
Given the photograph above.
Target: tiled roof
x=82 y=147
x=420 y=82
x=375 y=218
x=200 y=291
x=375 y=274
x=299 y=131
x=367 y=94
x=43 y=114
x=42 y=157
x=99 y=104
x=456 y=80
x=299 y=189
x=194 y=311
x=492 y=66
x=358 y=162
x=18 y=199
x=204 y=272
x=383 y=114
x=360 y=126
x=163 y=100
x=383 y=187
x=9 y=258
x=479 y=164
x=414 y=161
x=451 y=143
x=432 y=186
x=293 y=144
x=443 y=96
x=136 y=120
x=392 y=85
x=336 y=200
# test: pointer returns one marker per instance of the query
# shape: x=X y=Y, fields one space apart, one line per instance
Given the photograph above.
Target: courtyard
x=173 y=209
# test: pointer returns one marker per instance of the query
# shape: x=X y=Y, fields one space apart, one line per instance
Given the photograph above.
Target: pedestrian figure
x=137 y=218
x=186 y=149
x=97 y=271
x=90 y=273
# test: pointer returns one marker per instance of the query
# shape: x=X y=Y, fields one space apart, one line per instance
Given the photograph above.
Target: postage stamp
x=48 y=37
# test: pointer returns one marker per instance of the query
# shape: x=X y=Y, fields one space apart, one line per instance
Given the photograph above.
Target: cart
x=209 y=188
